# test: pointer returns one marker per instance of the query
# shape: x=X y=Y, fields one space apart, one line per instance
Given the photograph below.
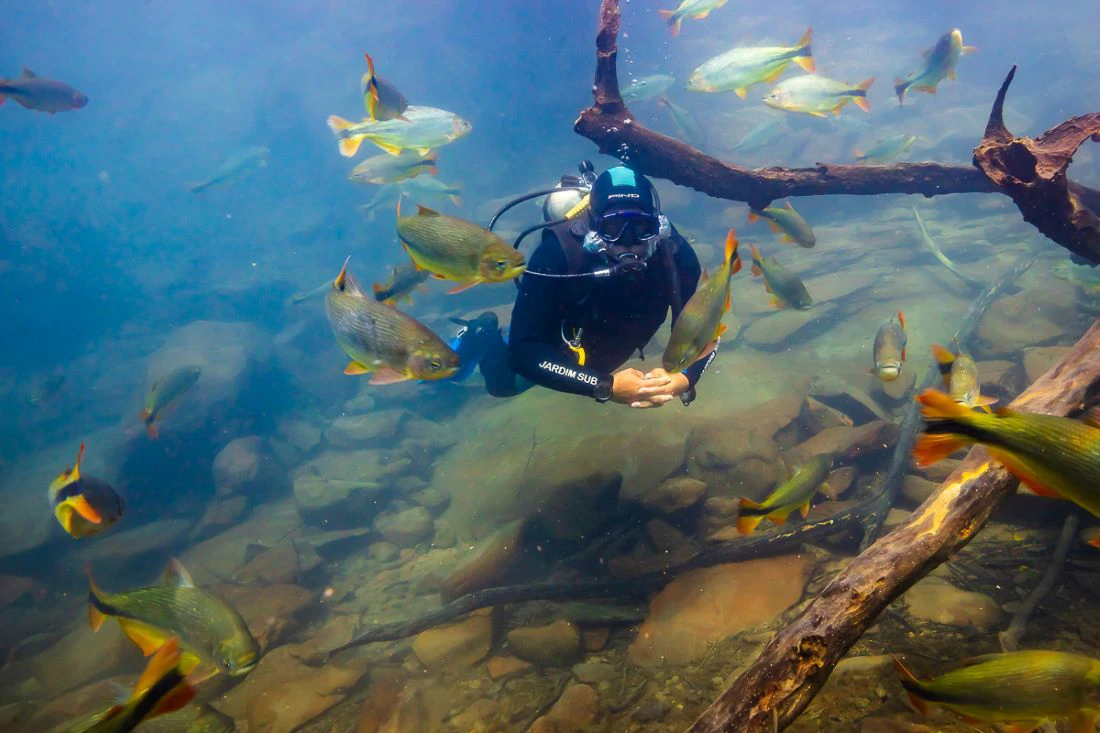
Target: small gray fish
x=234 y=166
x=404 y=279
x=690 y=131
x=889 y=348
x=647 y=87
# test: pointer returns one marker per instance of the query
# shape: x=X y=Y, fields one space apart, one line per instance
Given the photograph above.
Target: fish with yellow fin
x=960 y=377
x=1057 y=457
x=382 y=100
x=1023 y=688
x=694 y=9
x=162 y=688
x=212 y=633
x=785 y=288
x=739 y=69
x=455 y=249
x=940 y=62
x=794 y=494
x=381 y=340
x=817 y=95
x=786 y=221
x=84 y=505
x=889 y=348
x=422 y=129
x=166 y=392
x=699 y=325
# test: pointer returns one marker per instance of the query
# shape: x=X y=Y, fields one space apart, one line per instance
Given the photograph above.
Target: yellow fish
x=84 y=505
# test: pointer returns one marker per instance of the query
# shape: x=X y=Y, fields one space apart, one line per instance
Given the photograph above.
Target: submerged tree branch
x=1031 y=172
x=790 y=670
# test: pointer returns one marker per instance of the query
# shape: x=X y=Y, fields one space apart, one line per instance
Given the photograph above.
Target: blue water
x=105 y=255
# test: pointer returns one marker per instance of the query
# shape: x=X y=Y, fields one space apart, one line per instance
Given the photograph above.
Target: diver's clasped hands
x=652 y=389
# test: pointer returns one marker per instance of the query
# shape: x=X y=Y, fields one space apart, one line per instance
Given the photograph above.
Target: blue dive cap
x=621 y=188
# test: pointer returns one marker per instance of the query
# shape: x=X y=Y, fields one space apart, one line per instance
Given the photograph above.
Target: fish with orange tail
x=162 y=688
x=794 y=494
x=785 y=288
x=960 y=377
x=1023 y=688
x=165 y=393
x=694 y=9
x=695 y=332
x=889 y=348
x=84 y=505
x=382 y=100
x=1057 y=457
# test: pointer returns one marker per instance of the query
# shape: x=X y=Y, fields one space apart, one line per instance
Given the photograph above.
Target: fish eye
x=501 y=264
x=436 y=364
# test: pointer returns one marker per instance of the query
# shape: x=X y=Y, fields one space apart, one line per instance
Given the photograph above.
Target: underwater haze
x=190 y=381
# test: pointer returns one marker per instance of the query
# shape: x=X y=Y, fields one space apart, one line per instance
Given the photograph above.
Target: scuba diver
x=595 y=291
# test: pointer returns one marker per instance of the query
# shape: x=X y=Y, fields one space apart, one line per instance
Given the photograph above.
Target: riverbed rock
x=248 y=467
x=501 y=667
x=710 y=604
x=674 y=494
x=554 y=645
x=341 y=489
x=735 y=461
x=1038 y=359
x=366 y=430
x=455 y=646
x=407 y=528
x=1034 y=317
x=845 y=443
x=493 y=561
x=934 y=599
x=577 y=708
x=916 y=489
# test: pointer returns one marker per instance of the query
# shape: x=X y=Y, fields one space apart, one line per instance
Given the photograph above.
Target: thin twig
x=1010 y=637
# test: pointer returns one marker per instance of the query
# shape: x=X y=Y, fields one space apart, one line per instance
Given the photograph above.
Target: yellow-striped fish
x=422 y=129
x=960 y=378
x=162 y=688
x=84 y=505
x=785 y=288
x=940 y=62
x=211 y=632
x=700 y=322
x=382 y=100
x=381 y=340
x=740 y=68
x=787 y=222
x=455 y=249
x=817 y=95
x=694 y=9
x=1024 y=688
x=793 y=494
x=1058 y=457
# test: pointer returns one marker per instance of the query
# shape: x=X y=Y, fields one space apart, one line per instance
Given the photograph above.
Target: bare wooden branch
x=795 y=664
x=1045 y=200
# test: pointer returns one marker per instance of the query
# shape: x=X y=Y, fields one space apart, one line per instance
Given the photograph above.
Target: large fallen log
x=1030 y=171
x=790 y=670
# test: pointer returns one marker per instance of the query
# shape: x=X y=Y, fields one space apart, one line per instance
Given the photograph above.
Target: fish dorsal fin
x=422 y=210
x=176 y=575
x=341 y=280
x=28 y=74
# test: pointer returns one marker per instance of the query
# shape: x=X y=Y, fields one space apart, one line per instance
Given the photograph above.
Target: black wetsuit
x=614 y=317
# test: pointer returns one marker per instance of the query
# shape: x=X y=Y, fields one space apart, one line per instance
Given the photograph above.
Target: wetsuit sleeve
x=689 y=271
x=535 y=346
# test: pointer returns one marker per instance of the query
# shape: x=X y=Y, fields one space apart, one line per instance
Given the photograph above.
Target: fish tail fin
x=348 y=143
x=940 y=410
x=165 y=665
x=152 y=430
x=95 y=616
x=732 y=259
x=804 y=55
x=753 y=216
x=860 y=94
x=673 y=20
x=944 y=360
x=911 y=684
x=757 y=270
x=746 y=525
x=899 y=89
